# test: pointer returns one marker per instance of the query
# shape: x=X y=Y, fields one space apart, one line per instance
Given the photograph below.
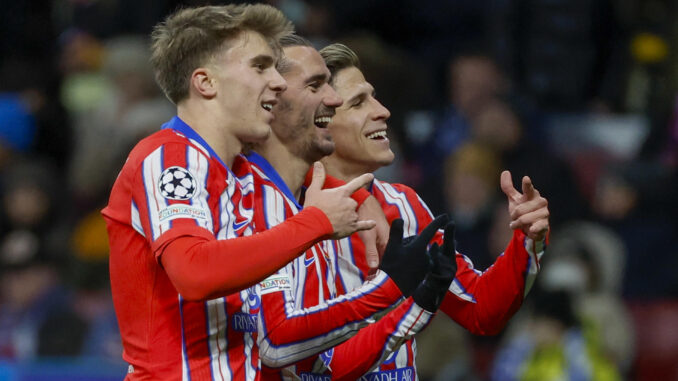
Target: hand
x=431 y=292
x=337 y=203
x=529 y=210
x=408 y=263
x=375 y=240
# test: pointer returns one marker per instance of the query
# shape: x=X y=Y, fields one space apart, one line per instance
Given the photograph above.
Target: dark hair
x=338 y=57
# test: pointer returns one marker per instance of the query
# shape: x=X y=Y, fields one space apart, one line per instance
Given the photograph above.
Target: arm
x=374 y=343
x=288 y=334
x=483 y=303
x=181 y=227
x=480 y=302
x=202 y=267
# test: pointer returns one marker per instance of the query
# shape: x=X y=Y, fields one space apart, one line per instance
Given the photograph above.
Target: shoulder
x=394 y=190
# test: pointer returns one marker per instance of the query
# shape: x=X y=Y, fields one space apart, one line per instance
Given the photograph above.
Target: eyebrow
x=362 y=94
x=317 y=78
x=264 y=59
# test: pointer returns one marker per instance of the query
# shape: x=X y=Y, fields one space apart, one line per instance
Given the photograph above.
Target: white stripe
x=277 y=357
x=136 y=220
x=318 y=272
x=152 y=169
x=535 y=250
x=331 y=258
x=350 y=273
x=226 y=208
x=274 y=206
x=413 y=322
x=423 y=204
x=198 y=166
x=399 y=199
x=250 y=371
x=217 y=325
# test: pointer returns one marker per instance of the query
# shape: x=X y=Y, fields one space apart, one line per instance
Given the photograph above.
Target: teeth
x=267 y=106
x=378 y=134
x=324 y=119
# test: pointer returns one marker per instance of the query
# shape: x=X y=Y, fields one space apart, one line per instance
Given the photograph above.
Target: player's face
x=248 y=86
x=359 y=127
x=307 y=106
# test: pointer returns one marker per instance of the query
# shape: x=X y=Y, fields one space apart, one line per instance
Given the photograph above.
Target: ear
x=203 y=83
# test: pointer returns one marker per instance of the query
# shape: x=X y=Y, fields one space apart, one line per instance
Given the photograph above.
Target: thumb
x=318 y=179
x=506 y=184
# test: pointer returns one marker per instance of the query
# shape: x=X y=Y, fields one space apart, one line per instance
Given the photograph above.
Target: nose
x=331 y=98
x=277 y=83
x=380 y=111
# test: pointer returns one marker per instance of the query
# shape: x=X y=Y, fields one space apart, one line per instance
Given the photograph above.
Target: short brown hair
x=338 y=57
x=190 y=37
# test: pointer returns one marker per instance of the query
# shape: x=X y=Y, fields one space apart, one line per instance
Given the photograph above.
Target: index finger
x=528 y=188
x=357 y=183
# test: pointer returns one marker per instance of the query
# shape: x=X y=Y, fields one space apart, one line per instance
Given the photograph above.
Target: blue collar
x=180 y=126
x=273 y=175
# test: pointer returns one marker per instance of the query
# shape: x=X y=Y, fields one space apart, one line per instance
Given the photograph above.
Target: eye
x=260 y=67
x=357 y=103
x=315 y=86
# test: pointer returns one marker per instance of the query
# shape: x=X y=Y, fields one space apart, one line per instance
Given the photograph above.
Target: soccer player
x=480 y=302
x=180 y=226
x=303 y=296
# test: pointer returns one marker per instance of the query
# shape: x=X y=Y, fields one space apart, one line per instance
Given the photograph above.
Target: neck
x=291 y=168
x=211 y=126
x=344 y=170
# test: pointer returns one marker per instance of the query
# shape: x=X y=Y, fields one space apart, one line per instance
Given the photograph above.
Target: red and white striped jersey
x=173 y=184
x=481 y=302
x=300 y=312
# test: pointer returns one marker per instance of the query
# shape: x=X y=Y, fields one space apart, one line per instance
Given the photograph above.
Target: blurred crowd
x=581 y=95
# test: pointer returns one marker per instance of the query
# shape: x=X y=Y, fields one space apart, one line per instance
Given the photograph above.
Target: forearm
x=202 y=268
x=375 y=343
x=483 y=304
x=288 y=335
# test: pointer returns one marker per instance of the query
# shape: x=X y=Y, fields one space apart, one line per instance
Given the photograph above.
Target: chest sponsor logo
x=181 y=211
x=243 y=322
x=403 y=374
x=314 y=377
x=274 y=283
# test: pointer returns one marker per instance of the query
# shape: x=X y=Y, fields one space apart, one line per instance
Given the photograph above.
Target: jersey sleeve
x=171 y=194
x=288 y=333
x=483 y=302
x=373 y=344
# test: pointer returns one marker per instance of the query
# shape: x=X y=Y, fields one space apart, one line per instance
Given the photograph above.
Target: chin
x=385 y=159
x=259 y=134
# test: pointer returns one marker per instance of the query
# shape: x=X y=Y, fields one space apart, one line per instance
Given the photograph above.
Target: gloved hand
x=432 y=290
x=407 y=263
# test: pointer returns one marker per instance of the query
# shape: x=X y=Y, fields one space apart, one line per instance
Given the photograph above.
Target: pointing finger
x=358 y=183
x=528 y=188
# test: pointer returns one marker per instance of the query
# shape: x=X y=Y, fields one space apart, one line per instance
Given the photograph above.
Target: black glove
x=407 y=263
x=432 y=290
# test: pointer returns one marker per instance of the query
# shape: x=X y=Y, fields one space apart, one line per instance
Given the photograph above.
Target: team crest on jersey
x=177 y=183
